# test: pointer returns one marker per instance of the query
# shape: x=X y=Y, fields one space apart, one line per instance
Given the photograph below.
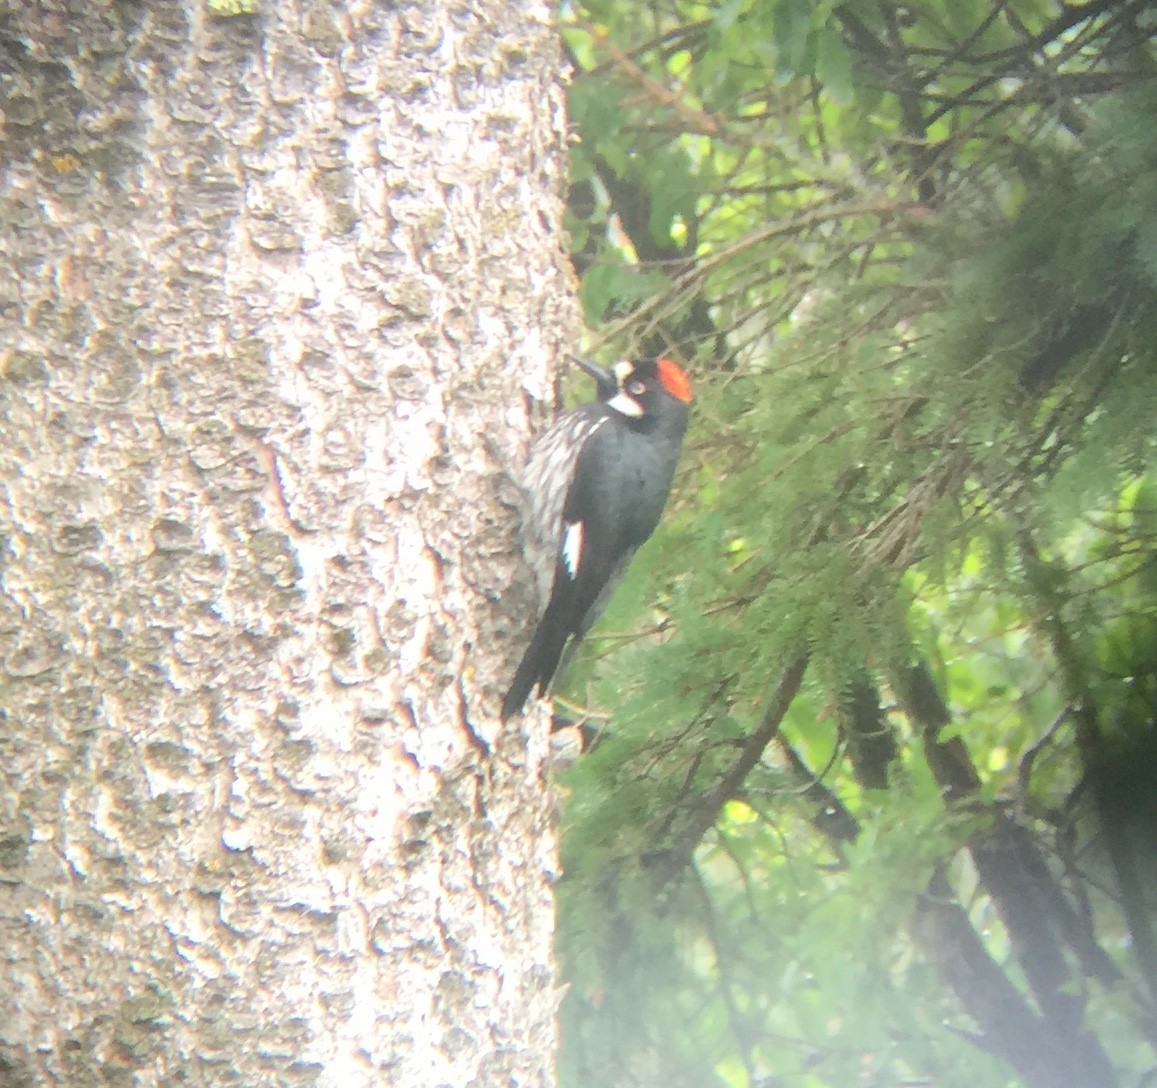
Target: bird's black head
x=648 y=388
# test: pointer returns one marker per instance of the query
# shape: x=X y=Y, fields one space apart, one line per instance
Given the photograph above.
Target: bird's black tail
x=539 y=663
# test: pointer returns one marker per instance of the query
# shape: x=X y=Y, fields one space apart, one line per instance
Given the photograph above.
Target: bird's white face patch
x=625 y=405
x=622 y=370
x=572 y=547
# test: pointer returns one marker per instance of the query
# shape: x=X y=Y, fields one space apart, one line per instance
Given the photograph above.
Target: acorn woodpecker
x=596 y=483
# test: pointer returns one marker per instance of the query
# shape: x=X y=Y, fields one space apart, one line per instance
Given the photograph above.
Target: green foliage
x=911 y=254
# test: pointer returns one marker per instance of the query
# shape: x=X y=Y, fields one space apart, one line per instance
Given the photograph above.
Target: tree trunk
x=277 y=283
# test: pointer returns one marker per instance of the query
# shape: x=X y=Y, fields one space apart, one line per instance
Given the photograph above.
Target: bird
x=596 y=483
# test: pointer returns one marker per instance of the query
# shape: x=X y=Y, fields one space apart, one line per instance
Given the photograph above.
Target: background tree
x=872 y=799
x=275 y=271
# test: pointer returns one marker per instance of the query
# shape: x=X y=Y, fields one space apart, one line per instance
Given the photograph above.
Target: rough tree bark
x=278 y=285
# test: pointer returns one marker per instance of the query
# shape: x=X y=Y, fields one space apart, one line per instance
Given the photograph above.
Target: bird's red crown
x=674 y=379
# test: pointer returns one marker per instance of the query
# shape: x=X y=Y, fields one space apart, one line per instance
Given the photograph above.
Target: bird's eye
x=636 y=388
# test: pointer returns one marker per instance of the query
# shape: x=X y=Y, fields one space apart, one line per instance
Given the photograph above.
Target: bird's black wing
x=589 y=559
x=545 y=482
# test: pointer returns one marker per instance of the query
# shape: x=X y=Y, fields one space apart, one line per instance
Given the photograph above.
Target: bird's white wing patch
x=572 y=547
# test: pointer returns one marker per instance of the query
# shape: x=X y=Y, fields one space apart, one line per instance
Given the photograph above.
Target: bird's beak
x=605 y=379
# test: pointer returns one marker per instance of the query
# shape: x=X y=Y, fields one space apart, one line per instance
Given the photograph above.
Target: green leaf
x=834 y=65
x=1146 y=247
x=792 y=23
x=609 y=286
